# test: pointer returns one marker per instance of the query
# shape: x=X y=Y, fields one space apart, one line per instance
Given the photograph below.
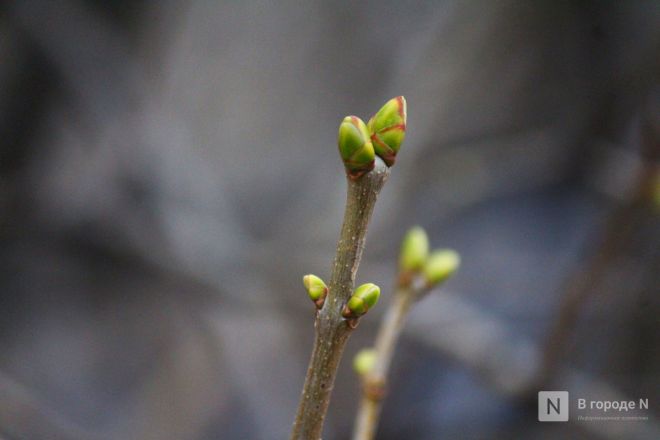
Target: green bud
x=388 y=129
x=355 y=147
x=414 y=250
x=364 y=361
x=441 y=265
x=316 y=289
x=364 y=297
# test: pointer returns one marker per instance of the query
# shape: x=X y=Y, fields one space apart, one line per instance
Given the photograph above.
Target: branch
x=24 y=416
x=374 y=381
x=507 y=361
x=419 y=273
x=332 y=330
x=620 y=230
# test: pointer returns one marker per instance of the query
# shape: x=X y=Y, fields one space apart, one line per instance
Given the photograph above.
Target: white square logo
x=553 y=406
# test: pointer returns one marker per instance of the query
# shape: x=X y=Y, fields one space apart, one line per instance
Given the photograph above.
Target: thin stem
x=374 y=382
x=582 y=285
x=332 y=331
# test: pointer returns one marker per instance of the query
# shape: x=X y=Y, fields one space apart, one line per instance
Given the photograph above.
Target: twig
x=24 y=416
x=622 y=225
x=332 y=330
x=506 y=360
x=374 y=382
x=419 y=273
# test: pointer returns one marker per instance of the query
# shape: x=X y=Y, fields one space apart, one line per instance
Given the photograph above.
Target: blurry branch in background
x=419 y=273
x=620 y=230
x=339 y=308
x=22 y=416
x=508 y=362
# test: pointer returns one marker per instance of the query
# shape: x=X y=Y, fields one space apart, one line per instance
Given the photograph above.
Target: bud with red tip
x=388 y=129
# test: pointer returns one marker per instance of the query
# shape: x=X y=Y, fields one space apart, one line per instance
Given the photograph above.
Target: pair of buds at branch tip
x=363 y=298
x=415 y=259
x=359 y=143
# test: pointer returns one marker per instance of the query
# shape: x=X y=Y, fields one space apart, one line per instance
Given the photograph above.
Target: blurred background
x=169 y=171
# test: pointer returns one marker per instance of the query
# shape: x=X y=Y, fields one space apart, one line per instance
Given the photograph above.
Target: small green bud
x=414 y=250
x=364 y=361
x=388 y=129
x=316 y=289
x=364 y=297
x=355 y=147
x=441 y=265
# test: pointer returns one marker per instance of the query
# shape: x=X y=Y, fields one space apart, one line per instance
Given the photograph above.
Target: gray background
x=169 y=172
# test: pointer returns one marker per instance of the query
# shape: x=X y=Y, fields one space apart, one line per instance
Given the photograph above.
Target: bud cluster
x=359 y=143
x=415 y=260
